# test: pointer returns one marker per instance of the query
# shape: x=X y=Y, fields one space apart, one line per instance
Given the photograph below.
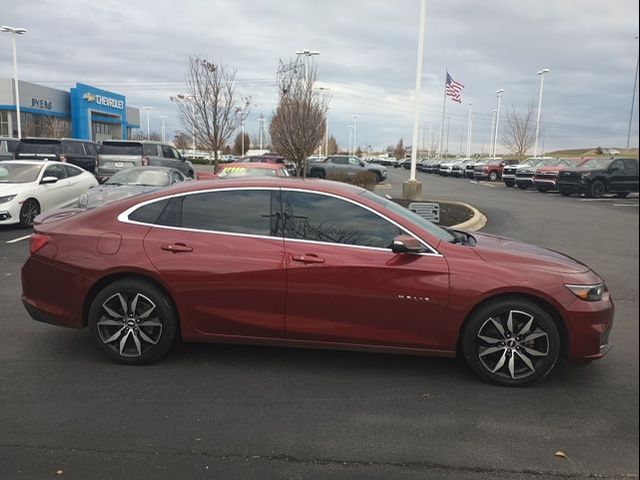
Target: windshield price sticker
x=428 y=211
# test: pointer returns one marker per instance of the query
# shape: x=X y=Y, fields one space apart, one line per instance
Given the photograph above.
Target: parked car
x=230 y=261
x=545 y=178
x=434 y=167
x=469 y=169
x=524 y=175
x=421 y=165
x=29 y=187
x=458 y=169
x=81 y=153
x=345 y=164
x=8 y=147
x=446 y=167
x=116 y=155
x=509 y=171
x=130 y=182
x=270 y=158
x=492 y=168
x=599 y=176
x=235 y=170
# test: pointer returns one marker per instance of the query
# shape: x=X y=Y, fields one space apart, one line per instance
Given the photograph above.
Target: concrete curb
x=475 y=223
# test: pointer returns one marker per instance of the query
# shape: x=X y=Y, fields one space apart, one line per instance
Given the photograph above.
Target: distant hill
x=591 y=152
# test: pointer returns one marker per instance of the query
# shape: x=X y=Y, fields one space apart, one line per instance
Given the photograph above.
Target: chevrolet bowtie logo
x=89 y=97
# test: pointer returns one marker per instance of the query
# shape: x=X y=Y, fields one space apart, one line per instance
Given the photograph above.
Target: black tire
x=510 y=184
x=522 y=187
x=542 y=189
x=191 y=174
x=317 y=174
x=493 y=176
x=28 y=212
x=127 y=338
x=597 y=189
x=622 y=194
x=481 y=335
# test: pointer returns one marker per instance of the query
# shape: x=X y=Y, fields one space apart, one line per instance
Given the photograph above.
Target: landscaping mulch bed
x=450 y=213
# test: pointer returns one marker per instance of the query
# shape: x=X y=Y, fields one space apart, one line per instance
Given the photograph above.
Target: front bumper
x=524 y=181
x=589 y=325
x=546 y=182
x=10 y=212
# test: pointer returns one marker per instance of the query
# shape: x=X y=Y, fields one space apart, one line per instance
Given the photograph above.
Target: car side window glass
x=148 y=213
x=90 y=148
x=339 y=160
x=631 y=165
x=71 y=171
x=328 y=219
x=150 y=150
x=354 y=162
x=236 y=211
x=4 y=147
x=73 y=148
x=176 y=154
x=55 y=171
x=617 y=165
x=167 y=152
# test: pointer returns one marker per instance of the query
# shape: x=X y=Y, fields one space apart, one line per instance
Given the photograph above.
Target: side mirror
x=47 y=180
x=407 y=244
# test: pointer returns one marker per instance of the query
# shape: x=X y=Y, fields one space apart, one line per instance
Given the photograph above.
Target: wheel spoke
x=534 y=353
x=123 y=304
x=512 y=366
x=527 y=327
x=108 y=322
x=533 y=336
x=489 y=339
x=498 y=326
x=148 y=312
x=115 y=336
x=146 y=337
x=136 y=341
x=510 y=322
x=151 y=323
x=526 y=360
x=500 y=362
x=111 y=312
x=134 y=304
x=491 y=350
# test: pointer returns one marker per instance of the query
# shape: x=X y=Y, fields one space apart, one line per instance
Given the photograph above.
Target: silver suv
x=8 y=148
x=116 y=155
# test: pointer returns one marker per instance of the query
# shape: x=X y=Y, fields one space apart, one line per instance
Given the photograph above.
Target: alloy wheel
x=512 y=346
x=129 y=324
x=29 y=212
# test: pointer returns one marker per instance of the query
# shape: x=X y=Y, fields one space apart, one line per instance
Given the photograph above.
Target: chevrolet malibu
x=309 y=263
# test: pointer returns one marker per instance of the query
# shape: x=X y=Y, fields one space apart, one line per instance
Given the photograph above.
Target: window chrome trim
x=124 y=218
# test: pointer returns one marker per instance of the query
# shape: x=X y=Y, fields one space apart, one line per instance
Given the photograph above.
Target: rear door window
x=73 y=148
x=167 y=152
x=90 y=149
x=631 y=165
x=151 y=150
x=71 y=171
x=57 y=171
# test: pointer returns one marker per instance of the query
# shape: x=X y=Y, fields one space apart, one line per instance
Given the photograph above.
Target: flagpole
x=444 y=106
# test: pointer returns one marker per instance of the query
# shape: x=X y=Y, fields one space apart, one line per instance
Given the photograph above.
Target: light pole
x=242 y=139
x=355 y=131
x=163 y=118
x=541 y=73
x=15 y=31
x=326 y=134
x=448 y=130
x=633 y=99
x=307 y=54
x=350 y=127
x=493 y=124
x=469 y=131
x=495 y=139
x=148 y=124
x=261 y=126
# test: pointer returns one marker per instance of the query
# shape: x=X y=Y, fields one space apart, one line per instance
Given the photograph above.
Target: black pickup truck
x=599 y=176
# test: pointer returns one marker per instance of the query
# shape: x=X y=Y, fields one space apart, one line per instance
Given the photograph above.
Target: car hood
x=110 y=193
x=7 y=189
x=493 y=248
x=550 y=169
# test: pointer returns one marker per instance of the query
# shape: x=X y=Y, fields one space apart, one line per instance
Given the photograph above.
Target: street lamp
x=261 y=127
x=495 y=139
x=633 y=98
x=493 y=124
x=163 y=118
x=469 y=131
x=308 y=54
x=355 y=131
x=541 y=73
x=148 y=115
x=242 y=140
x=350 y=127
x=15 y=31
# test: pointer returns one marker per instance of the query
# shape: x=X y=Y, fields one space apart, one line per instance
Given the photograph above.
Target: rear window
x=41 y=146
x=112 y=148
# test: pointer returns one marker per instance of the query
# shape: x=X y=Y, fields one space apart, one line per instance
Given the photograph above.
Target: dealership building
x=83 y=112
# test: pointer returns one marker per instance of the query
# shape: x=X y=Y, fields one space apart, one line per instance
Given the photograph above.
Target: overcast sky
x=367 y=58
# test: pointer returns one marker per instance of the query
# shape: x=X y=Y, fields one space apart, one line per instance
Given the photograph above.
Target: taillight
x=63 y=158
x=145 y=161
x=37 y=241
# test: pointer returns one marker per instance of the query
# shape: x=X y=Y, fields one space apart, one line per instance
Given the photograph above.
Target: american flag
x=453 y=89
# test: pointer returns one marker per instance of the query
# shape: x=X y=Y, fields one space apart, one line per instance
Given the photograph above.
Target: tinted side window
x=148 y=213
x=240 y=211
x=354 y=161
x=73 y=148
x=12 y=146
x=321 y=218
x=631 y=164
x=617 y=165
x=167 y=152
x=339 y=160
x=91 y=149
x=151 y=150
x=71 y=170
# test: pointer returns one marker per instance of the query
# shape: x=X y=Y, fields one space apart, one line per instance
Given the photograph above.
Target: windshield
x=596 y=164
x=51 y=147
x=142 y=177
x=235 y=172
x=18 y=173
x=408 y=215
x=114 y=148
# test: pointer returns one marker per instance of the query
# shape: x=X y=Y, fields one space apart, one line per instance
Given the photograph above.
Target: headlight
x=7 y=198
x=83 y=201
x=589 y=293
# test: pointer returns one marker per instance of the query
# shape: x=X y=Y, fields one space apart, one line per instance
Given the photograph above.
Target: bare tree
x=237 y=144
x=212 y=105
x=55 y=127
x=520 y=131
x=333 y=146
x=298 y=124
x=399 y=151
x=182 y=141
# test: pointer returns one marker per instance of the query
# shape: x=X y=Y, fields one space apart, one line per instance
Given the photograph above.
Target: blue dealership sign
x=89 y=104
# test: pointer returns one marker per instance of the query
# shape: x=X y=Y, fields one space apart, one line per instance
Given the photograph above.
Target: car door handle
x=309 y=258
x=176 y=247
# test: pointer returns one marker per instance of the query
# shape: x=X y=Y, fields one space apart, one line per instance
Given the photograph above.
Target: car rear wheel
x=511 y=342
x=133 y=322
x=509 y=184
x=598 y=188
x=493 y=176
x=317 y=174
x=28 y=212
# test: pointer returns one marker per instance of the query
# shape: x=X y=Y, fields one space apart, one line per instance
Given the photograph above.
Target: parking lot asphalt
x=221 y=411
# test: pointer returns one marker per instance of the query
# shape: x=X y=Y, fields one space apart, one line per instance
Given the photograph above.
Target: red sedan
x=309 y=263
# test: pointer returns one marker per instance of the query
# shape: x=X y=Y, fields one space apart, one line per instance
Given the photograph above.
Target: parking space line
x=625 y=204
x=18 y=239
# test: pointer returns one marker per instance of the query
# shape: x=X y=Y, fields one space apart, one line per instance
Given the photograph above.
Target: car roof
x=35 y=162
x=266 y=166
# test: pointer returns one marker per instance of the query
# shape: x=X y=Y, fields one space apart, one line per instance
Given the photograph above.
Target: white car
x=28 y=188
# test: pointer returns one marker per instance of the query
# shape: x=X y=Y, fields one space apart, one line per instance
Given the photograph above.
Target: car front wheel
x=133 y=321
x=511 y=342
x=598 y=188
x=28 y=212
x=493 y=176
